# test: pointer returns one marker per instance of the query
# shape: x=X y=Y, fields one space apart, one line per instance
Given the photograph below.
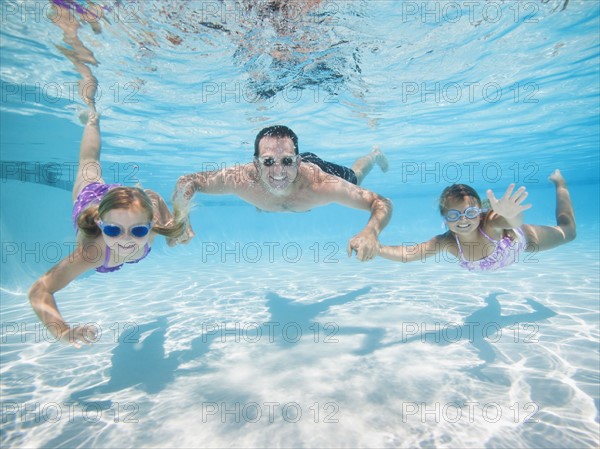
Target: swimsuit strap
x=460 y=250
x=487 y=236
x=459 y=247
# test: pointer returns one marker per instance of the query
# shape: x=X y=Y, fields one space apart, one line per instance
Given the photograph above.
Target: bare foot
x=557 y=178
x=380 y=158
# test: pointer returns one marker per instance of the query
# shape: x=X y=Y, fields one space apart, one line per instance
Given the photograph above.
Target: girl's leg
x=363 y=166
x=541 y=238
x=80 y=56
x=88 y=84
x=69 y=21
x=89 y=156
x=89 y=153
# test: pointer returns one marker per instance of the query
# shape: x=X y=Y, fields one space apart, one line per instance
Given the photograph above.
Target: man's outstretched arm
x=366 y=242
x=210 y=182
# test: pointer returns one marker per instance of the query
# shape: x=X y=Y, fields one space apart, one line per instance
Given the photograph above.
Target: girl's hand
x=509 y=206
x=79 y=335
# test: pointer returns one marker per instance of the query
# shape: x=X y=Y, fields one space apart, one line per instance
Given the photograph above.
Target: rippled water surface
x=262 y=332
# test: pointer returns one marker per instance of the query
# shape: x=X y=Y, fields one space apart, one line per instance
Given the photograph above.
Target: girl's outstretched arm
x=41 y=296
x=413 y=252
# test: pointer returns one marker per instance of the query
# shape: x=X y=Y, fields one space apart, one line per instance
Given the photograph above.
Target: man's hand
x=364 y=244
x=185 y=238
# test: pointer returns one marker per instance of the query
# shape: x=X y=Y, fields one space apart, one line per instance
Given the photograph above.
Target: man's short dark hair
x=279 y=131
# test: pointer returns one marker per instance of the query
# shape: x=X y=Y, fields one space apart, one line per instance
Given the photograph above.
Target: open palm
x=510 y=205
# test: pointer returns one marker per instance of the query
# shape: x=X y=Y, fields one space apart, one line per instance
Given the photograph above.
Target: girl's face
x=125 y=230
x=464 y=225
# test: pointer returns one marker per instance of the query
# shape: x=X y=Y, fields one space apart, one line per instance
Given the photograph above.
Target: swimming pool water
x=262 y=332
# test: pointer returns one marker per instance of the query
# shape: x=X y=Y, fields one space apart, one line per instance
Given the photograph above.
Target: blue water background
x=348 y=84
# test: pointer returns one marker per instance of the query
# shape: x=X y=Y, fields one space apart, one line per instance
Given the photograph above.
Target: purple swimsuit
x=505 y=253
x=91 y=195
x=77 y=6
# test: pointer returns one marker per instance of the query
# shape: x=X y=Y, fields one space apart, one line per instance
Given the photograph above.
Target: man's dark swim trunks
x=331 y=168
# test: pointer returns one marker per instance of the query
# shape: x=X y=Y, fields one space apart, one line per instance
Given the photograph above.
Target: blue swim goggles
x=470 y=212
x=113 y=230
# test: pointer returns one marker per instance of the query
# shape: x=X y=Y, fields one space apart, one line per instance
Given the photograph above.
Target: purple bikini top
x=505 y=253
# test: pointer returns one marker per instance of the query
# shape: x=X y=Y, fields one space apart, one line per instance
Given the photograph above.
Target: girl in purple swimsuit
x=490 y=239
x=114 y=224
